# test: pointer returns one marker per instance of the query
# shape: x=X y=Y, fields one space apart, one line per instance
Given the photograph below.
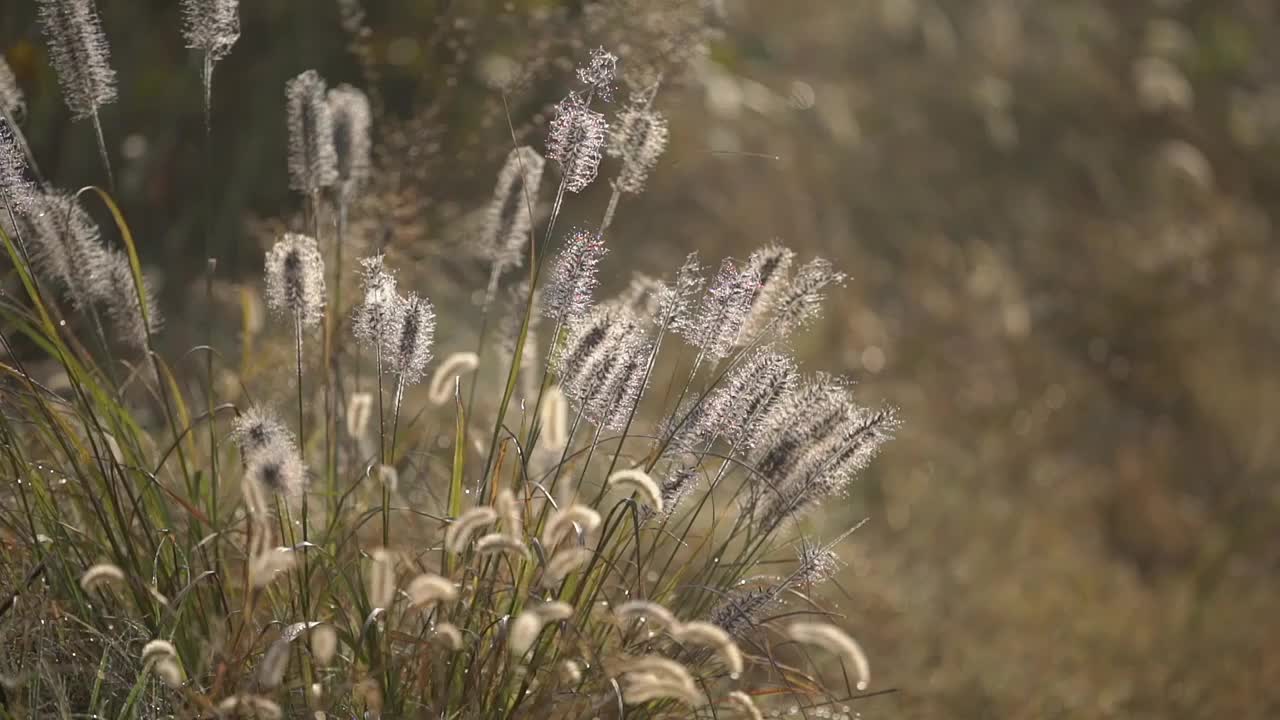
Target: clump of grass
x=566 y=542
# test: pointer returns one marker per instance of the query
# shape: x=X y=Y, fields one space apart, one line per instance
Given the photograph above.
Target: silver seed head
x=508 y=219
x=79 y=52
x=313 y=161
x=576 y=141
x=295 y=279
x=351 y=119
x=211 y=25
x=639 y=138
x=567 y=295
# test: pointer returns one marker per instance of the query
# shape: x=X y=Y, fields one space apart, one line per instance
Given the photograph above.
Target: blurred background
x=1057 y=216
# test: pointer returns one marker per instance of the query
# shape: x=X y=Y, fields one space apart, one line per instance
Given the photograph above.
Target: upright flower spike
x=295 y=279
x=573 y=277
x=576 y=141
x=603 y=365
x=408 y=339
x=123 y=306
x=17 y=191
x=507 y=221
x=79 y=52
x=258 y=428
x=724 y=310
x=382 y=305
x=639 y=138
x=211 y=25
x=772 y=265
x=738 y=408
x=313 y=162
x=351 y=120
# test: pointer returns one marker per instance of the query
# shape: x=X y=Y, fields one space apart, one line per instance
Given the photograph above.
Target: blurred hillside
x=1058 y=219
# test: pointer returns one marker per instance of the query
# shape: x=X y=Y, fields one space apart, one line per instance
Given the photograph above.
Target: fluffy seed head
x=313 y=161
x=510 y=513
x=79 y=52
x=100 y=576
x=169 y=672
x=324 y=643
x=351 y=119
x=571 y=672
x=579 y=519
x=835 y=641
x=495 y=543
x=17 y=191
x=426 y=590
x=12 y=102
x=254 y=706
x=508 y=219
x=211 y=25
x=724 y=309
x=554 y=416
x=442 y=381
x=295 y=279
x=744 y=703
x=739 y=406
x=258 y=428
x=409 y=338
x=772 y=265
x=603 y=366
x=158 y=649
x=449 y=635
x=708 y=635
x=379 y=311
x=382 y=578
x=639 y=140
x=680 y=483
x=66 y=247
x=801 y=301
x=639 y=482
x=124 y=307
x=459 y=533
x=567 y=295
x=567 y=561
x=274 y=470
x=275 y=661
x=742 y=609
x=646 y=611
x=524 y=632
x=576 y=141
x=359 y=410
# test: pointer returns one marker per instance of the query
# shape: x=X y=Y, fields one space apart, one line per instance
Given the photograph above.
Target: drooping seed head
x=295 y=279
x=603 y=366
x=211 y=25
x=708 y=635
x=313 y=161
x=100 y=576
x=442 y=381
x=351 y=120
x=576 y=141
x=637 y=481
x=835 y=641
x=427 y=590
x=567 y=561
x=800 y=302
x=567 y=295
x=66 y=248
x=744 y=703
x=274 y=664
x=458 y=535
x=680 y=483
x=509 y=217
x=158 y=649
x=80 y=54
x=572 y=518
x=647 y=612
x=448 y=635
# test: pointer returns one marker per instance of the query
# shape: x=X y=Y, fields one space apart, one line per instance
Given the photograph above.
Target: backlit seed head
x=295 y=279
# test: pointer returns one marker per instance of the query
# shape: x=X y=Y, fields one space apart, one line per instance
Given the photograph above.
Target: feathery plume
x=324 y=643
x=679 y=484
x=639 y=482
x=382 y=305
x=708 y=635
x=599 y=73
x=567 y=295
x=100 y=576
x=772 y=266
x=295 y=279
x=382 y=578
x=12 y=103
x=743 y=608
x=578 y=519
x=508 y=220
x=459 y=532
x=603 y=366
x=576 y=141
x=554 y=416
x=275 y=469
x=739 y=406
x=441 y=389
x=816 y=565
x=651 y=677
x=528 y=625
x=723 y=311
x=638 y=139
x=835 y=641
x=351 y=119
x=426 y=590
x=79 y=52
x=123 y=303
x=66 y=247
x=313 y=161
x=169 y=672
x=18 y=192
x=408 y=339
x=801 y=301
x=211 y=25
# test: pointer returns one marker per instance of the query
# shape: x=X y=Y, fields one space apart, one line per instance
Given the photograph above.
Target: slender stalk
x=102 y=151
